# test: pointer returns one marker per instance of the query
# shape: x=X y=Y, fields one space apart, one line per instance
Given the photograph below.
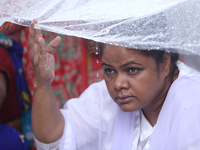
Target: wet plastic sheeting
x=143 y=24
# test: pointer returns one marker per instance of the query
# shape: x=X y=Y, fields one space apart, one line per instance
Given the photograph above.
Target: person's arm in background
x=47 y=120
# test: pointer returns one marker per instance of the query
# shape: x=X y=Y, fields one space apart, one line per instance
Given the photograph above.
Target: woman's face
x=133 y=80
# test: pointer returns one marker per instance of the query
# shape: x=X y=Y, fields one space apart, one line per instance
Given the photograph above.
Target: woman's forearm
x=47 y=120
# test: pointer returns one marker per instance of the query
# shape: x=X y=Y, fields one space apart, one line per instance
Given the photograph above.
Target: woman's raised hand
x=46 y=118
x=42 y=56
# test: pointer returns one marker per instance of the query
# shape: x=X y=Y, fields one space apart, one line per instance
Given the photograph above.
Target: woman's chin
x=127 y=107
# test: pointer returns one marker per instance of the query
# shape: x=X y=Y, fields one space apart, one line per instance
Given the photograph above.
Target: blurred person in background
x=11 y=137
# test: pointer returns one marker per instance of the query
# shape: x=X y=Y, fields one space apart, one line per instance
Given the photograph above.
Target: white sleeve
x=66 y=142
x=51 y=146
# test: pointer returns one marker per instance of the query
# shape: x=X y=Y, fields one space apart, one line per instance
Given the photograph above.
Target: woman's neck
x=152 y=112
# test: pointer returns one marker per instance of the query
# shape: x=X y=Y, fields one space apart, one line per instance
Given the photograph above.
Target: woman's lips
x=124 y=99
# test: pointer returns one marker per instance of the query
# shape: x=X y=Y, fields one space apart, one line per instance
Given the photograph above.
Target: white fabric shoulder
x=178 y=124
x=90 y=116
x=186 y=70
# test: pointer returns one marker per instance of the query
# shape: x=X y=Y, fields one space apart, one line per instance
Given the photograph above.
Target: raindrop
x=107 y=30
x=97 y=46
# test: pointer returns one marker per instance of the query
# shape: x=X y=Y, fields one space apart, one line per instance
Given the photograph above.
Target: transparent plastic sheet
x=142 y=24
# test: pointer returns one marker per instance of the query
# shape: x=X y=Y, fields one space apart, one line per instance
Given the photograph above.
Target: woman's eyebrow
x=129 y=63
x=106 y=65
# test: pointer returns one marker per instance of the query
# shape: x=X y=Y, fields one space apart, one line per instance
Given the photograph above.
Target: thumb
x=53 y=45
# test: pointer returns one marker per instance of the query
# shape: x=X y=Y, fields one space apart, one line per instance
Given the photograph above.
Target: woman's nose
x=121 y=83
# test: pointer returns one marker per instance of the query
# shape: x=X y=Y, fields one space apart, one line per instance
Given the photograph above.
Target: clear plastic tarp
x=142 y=24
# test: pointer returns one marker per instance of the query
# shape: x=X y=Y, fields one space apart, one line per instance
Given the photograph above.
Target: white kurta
x=95 y=111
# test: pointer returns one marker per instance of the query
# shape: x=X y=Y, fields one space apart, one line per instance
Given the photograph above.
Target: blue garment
x=16 y=51
x=11 y=139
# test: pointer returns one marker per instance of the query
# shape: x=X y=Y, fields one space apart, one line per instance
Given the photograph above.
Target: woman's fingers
x=38 y=33
x=53 y=45
x=35 y=54
x=31 y=40
x=36 y=42
x=42 y=50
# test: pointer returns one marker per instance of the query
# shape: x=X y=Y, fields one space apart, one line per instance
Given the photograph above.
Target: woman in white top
x=148 y=101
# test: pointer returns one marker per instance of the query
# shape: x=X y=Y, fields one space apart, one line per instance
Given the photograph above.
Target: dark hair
x=157 y=55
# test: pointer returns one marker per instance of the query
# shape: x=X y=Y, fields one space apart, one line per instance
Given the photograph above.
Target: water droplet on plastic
x=107 y=30
x=97 y=47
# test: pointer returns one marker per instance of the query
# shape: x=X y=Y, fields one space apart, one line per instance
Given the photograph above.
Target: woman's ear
x=166 y=63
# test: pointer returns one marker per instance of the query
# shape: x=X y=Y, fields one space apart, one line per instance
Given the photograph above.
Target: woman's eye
x=109 y=70
x=132 y=69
